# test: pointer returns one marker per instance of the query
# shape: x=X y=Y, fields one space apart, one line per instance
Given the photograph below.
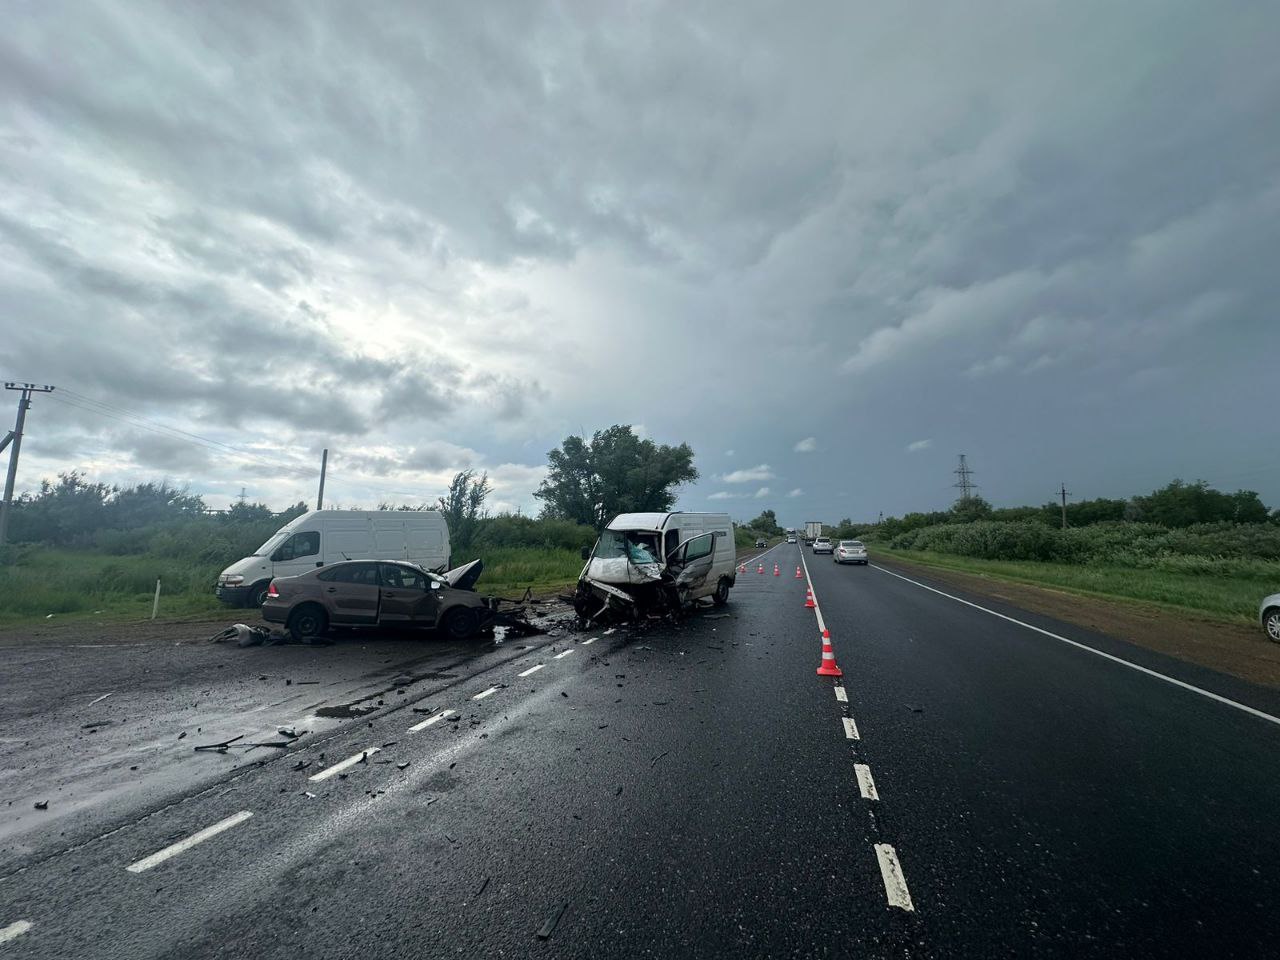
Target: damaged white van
x=655 y=563
x=327 y=536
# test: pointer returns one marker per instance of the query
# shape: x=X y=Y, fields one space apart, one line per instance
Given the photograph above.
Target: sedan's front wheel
x=1272 y=623
x=459 y=623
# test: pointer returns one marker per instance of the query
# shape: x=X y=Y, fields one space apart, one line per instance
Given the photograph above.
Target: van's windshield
x=635 y=545
x=269 y=547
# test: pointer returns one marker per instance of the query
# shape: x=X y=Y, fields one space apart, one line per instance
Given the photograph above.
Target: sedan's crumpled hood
x=465 y=576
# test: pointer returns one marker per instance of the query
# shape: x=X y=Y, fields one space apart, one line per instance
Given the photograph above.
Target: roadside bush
x=1125 y=544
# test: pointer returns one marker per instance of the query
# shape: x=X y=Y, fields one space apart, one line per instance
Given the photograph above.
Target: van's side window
x=671 y=541
x=299 y=545
x=699 y=547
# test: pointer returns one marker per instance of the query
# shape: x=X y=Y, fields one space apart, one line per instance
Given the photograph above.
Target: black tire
x=459 y=623
x=721 y=596
x=257 y=595
x=1271 y=623
x=308 y=623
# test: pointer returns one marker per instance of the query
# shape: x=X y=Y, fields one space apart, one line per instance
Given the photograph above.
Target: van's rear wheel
x=308 y=622
x=721 y=596
x=459 y=623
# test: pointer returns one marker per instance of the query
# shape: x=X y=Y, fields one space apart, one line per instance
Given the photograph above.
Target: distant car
x=791 y=539
x=762 y=543
x=850 y=551
x=822 y=545
x=371 y=593
x=1269 y=614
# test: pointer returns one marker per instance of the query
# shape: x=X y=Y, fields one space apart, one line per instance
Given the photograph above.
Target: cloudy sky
x=830 y=245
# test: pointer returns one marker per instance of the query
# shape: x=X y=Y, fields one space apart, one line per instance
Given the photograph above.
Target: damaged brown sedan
x=380 y=593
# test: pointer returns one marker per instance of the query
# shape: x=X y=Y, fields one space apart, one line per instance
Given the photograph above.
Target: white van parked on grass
x=327 y=536
x=647 y=561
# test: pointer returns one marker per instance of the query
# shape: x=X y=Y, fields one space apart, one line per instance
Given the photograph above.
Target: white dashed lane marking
x=14 y=930
x=160 y=856
x=485 y=693
x=328 y=772
x=895 y=884
x=587 y=643
x=841 y=695
x=430 y=720
x=561 y=656
x=866 y=785
x=850 y=728
x=534 y=669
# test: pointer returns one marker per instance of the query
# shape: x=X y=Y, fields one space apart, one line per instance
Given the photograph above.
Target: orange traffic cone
x=743 y=568
x=776 y=571
x=828 y=667
x=808 y=599
x=760 y=569
x=799 y=575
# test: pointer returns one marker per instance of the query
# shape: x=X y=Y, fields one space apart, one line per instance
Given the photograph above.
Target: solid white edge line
x=817 y=608
x=14 y=930
x=866 y=784
x=841 y=695
x=534 y=669
x=160 y=856
x=328 y=772
x=850 y=728
x=895 y=884
x=561 y=656
x=1094 y=650
x=485 y=693
x=430 y=720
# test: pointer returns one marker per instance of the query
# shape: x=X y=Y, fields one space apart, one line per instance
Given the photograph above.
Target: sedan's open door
x=690 y=562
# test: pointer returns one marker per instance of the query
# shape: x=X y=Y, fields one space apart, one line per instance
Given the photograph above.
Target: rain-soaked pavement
x=969 y=788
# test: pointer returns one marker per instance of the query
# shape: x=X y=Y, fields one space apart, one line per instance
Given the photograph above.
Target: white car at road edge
x=1269 y=616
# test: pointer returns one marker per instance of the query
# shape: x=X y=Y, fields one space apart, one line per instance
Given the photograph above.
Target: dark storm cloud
x=234 y=213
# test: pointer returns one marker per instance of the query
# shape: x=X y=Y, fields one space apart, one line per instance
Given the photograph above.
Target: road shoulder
x=1225 y=648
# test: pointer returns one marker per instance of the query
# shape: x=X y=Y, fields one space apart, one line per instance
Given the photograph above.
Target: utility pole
x=324 y=466
x=15 y=437
x=1065 y=493
x=965 y=483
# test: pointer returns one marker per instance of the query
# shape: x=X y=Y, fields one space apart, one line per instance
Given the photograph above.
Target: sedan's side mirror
x=586 y=553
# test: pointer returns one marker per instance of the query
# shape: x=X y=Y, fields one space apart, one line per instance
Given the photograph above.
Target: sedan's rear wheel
x=1272 y=623
x=459 y=623
x=308 y=622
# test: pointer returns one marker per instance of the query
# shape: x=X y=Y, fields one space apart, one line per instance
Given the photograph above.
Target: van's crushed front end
x=628 y=576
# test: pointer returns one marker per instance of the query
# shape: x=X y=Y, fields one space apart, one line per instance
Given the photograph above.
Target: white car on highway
x=850 y=551
x=1269 y=614
x=822 y=545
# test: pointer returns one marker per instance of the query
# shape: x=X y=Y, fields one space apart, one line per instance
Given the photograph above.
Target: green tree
x=463 y=506
x=969 y=509
x=616 y=472
x=766 y=523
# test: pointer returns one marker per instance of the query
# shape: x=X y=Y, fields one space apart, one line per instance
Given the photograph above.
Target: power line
x=172 y=433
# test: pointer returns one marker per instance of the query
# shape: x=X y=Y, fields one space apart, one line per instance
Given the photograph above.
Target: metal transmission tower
x=965 y=484
x=15 y=437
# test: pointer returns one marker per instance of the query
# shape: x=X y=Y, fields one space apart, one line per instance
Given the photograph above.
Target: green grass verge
x=83 y=584
x=1231 y=599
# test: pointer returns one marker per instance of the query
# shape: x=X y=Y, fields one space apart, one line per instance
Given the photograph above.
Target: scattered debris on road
x=549 y=925
x=42 y=804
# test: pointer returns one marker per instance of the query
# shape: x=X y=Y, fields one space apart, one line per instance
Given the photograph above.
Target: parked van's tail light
x=272 y=592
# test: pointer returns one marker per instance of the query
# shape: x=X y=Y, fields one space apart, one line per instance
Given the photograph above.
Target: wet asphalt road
x=694 y=791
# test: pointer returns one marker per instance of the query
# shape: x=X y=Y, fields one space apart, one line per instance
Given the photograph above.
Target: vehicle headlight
x=232 y=580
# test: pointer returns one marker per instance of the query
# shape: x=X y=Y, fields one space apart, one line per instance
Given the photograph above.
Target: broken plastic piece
x=549 y=925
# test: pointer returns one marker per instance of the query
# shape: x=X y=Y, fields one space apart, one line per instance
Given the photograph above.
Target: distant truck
x=328 y=536
x=812 y=530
